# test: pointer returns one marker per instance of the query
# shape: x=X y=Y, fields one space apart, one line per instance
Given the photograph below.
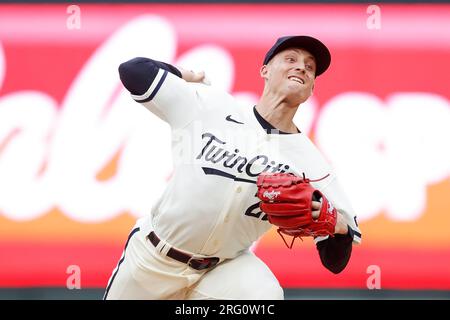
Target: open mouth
x=296 y=79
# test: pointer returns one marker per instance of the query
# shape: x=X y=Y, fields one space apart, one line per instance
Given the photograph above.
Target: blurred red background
x=43 y=55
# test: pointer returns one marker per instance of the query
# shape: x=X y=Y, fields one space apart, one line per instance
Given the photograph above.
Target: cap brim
x=320 y=52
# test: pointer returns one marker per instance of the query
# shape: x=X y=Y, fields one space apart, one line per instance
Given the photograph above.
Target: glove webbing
x=280 y=232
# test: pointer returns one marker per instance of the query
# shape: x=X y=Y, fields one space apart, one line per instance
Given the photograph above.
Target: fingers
x=201 y=77
x=198 y=76
x=193 y=76
x=316 y=205
x=315 y=214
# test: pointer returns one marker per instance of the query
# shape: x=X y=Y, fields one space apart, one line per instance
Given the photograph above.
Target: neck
x=277 y=112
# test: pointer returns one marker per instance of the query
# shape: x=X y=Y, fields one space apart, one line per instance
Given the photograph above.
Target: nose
x=300 y=67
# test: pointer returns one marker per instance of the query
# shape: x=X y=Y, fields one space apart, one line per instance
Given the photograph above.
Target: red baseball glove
x=287 y=201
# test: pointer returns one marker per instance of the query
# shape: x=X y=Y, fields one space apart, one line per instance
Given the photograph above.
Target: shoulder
x=210 y=90
x=211 y=96
x=310 y=150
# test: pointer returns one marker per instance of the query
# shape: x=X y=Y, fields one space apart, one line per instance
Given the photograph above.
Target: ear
x=263 y=72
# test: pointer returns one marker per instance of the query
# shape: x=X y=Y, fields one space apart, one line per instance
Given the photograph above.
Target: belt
x=195 y=263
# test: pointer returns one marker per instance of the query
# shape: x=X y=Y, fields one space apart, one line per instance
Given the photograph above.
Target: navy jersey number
x=255 y=212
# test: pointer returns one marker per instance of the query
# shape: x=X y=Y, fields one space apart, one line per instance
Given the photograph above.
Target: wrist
x=186 y=75
x=341 y=225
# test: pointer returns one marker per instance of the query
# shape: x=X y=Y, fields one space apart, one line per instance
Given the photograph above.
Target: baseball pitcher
x=238 y=171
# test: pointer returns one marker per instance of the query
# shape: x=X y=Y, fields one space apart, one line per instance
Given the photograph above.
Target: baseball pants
x=145 y=273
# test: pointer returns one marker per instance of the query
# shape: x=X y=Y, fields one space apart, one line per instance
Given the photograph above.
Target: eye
x=290 y=59
x=309 y=67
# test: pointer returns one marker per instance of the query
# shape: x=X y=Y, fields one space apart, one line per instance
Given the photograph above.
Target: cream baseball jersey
x=219 y=148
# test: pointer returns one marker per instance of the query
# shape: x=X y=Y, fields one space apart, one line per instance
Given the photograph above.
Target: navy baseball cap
x=315 y=47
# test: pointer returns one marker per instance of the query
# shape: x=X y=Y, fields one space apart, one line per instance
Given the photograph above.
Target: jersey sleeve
x=337 y=197
x=158 y=87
